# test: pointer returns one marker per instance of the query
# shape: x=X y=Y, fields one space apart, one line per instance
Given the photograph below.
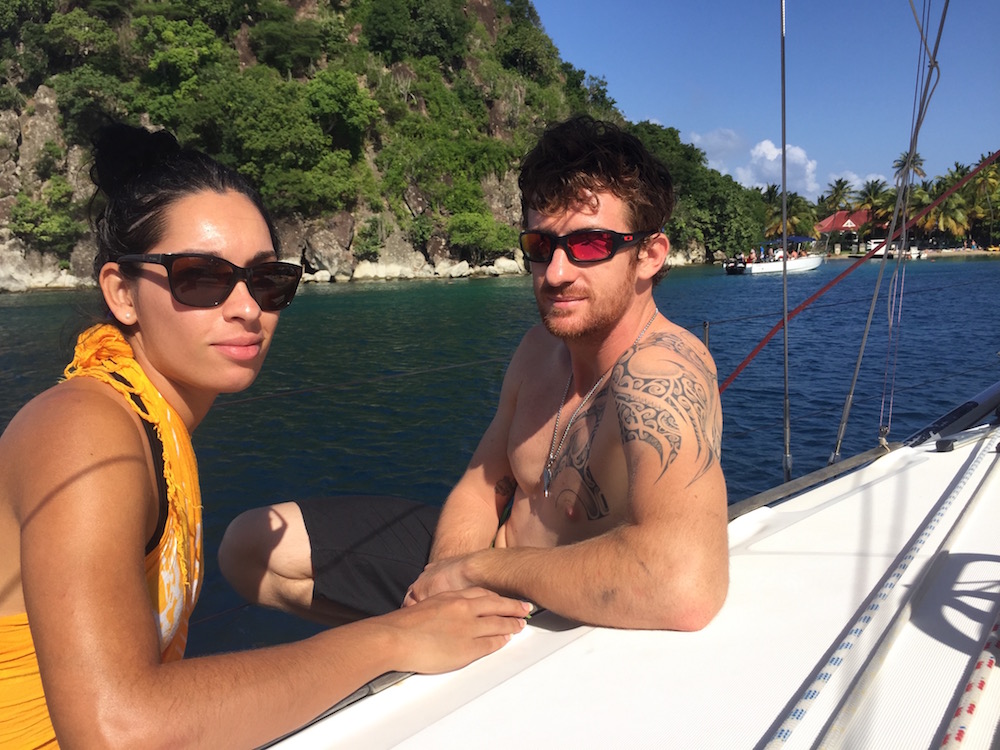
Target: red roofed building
x=843 y=221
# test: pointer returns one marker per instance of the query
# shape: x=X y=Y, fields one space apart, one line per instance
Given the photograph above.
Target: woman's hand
x=453 y=628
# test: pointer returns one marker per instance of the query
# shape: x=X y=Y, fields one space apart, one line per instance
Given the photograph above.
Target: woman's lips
x=241 y=349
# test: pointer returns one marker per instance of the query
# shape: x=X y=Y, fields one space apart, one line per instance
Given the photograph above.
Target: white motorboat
x=802 y=263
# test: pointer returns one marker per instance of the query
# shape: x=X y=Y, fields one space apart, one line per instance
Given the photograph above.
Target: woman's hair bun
x=122 y=152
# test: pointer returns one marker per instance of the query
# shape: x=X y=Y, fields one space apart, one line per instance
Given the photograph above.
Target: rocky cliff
x=322 y=245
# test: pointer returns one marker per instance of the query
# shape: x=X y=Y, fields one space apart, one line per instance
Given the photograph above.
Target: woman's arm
x=86 y=504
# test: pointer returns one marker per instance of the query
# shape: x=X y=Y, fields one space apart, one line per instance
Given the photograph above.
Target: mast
x=787 y=461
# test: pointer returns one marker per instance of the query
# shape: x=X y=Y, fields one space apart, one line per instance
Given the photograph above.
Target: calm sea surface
x=385 y=388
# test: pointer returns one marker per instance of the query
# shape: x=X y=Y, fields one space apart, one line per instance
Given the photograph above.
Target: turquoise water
x=386 y=387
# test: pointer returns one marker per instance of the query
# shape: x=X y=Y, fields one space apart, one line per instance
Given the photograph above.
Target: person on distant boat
x=100 y=510
x=596 y=491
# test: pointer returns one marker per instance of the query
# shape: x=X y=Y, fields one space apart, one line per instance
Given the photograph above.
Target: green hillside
x=406 y=115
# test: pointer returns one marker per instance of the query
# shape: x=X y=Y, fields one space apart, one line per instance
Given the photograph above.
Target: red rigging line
x=832 y=283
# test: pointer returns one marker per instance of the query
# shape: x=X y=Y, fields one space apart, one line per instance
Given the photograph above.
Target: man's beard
x=599 y=319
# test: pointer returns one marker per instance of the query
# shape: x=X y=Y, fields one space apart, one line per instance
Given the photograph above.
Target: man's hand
x=443 y=575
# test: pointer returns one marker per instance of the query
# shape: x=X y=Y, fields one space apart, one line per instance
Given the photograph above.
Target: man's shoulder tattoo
x=665 y=394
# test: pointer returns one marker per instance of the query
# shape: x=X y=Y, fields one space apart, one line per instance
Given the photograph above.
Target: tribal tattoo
x=657 y=401
x=577 y=457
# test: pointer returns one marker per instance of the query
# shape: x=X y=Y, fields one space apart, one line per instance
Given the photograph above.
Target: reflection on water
x=386 y=388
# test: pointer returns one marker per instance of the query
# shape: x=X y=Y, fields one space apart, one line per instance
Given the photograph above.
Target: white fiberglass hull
x=806 y=263
x=856 y=614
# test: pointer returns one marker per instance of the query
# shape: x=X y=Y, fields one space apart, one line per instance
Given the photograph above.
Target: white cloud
x=720 y=147
x=764 y=168
x=726 y=151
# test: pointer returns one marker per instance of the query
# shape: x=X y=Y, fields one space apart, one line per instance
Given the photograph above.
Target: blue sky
x=711 y=69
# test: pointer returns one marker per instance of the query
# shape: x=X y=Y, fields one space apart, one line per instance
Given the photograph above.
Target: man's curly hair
x=583 y=154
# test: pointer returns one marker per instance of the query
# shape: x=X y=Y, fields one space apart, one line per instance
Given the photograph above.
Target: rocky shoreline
x=23 y=269
x=325 y=246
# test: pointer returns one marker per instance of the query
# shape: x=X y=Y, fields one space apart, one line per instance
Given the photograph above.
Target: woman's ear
x=117 y=291
x=653 y=254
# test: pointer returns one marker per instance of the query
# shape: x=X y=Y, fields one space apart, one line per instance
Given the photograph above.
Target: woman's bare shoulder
x=78 y=426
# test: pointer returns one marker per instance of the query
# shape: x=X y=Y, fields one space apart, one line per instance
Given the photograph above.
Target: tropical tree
x=986 y=193
x=905 y=165
x=839 y=197
x=801 y=214
x=873 y=197
x=948 y=217
x=771 y=196
x=956 y=173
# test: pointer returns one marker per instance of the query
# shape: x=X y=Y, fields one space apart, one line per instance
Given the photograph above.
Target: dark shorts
x=367 y=550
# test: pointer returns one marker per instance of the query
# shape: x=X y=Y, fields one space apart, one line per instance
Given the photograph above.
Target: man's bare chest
x=588 y=484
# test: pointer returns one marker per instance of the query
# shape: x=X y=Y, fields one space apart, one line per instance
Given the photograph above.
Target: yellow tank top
x=174 y=568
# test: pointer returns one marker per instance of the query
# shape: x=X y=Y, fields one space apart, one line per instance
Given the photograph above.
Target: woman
x=100 y=517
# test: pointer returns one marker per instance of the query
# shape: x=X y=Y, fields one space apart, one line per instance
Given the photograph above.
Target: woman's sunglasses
x=586 y=246
x=199 y=280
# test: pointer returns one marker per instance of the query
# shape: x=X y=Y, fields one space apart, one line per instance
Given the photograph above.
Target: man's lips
x=564 y=294
x=563 y=299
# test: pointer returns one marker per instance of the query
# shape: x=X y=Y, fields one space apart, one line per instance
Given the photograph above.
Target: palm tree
x=920 y=197
x=801 y=213
x=949 y=217
x=986 y=187
x=839 y=196
x=801 y=216
x=904 y=165
x=772 y=206
x=873 y=198
x=953 y=176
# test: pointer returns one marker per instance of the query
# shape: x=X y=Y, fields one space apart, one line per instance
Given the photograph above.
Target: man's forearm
x=466 y=524
x=608 y=581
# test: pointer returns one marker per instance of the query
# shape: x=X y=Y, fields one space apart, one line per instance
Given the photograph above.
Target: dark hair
x=584 y=154
x=141 y=174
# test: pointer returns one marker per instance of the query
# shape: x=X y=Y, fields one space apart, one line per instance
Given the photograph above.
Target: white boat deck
x=902 y=553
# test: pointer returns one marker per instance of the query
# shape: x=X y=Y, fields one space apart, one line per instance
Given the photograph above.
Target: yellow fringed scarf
x=174 y=569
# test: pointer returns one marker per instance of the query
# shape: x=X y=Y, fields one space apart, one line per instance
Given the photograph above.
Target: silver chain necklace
x=554 y=450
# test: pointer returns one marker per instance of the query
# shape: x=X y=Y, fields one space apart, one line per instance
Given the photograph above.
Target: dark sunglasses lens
x=536 y=246
x=201 y=282
x=274 y=285
x=588 y=246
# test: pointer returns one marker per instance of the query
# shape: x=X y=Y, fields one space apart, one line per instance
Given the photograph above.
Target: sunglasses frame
x=239 y=273
x=618 y=241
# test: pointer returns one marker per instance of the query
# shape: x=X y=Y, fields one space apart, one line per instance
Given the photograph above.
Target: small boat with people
x=800 y=263
x=769 y=258
x=737 y=266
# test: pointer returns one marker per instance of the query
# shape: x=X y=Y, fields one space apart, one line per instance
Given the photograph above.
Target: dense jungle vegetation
x=332 y=106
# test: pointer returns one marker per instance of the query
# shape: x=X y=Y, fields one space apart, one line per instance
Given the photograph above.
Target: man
x=596 y=491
